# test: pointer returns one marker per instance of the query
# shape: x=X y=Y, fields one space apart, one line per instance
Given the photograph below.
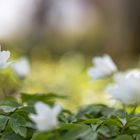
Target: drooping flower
x=21 y=67
x=103 y=67
x=126 y=88
x=4 y=56
x=46 y=118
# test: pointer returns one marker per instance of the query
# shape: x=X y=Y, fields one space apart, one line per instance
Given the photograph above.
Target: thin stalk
x=134 y=110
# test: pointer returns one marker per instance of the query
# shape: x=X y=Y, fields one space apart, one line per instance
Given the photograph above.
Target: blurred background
x=59 y=39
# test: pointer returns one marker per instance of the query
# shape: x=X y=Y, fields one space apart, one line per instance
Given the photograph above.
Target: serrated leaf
x=47 y=98
x=22 y=131
x=138 y=137
x=11 y=136
x=69 y=126
x=108 y=131
x=124 y=137
x=92 y=110
x=3 y=121
x=25 y=111
x=10 y=103
x=91 y=136
x=7 y=109
x=9 y=106
x=76 y=133
x=43 y=136
x=135 y=121
x=114 y=122
x=91 y=121
x=18 y=125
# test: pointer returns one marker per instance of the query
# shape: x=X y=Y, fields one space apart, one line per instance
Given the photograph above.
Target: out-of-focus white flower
x=103 y=67
x=4 y=56
x=12 y=23
x=132 y=73
x=46 y=118
x=21 y=67
x=126 y=88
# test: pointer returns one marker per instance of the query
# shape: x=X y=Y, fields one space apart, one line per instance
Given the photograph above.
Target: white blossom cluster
x=46 y=118
x=103 y=67
x=4 y=56
x=21 y=66
x=126 y=85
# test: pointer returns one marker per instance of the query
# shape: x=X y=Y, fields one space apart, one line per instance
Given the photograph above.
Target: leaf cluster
x=14 y=115
x=94 y=122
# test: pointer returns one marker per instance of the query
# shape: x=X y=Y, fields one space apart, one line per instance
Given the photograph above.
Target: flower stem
x=134 y=110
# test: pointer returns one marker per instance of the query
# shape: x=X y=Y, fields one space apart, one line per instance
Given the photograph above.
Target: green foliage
x=48 y=98
x=92 y=122
x=14 y=115
x=13 y=124
x=3 y=122
x=9 y=106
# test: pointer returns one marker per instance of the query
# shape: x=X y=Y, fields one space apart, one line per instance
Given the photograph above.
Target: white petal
x=133 y=73
x=46 y=118
x=42 y=108
x=4 y=56
x=21 y=67
x=126 y=88
x=57 y=109
x=109 y=62
x=103 y=67
x=33 y=117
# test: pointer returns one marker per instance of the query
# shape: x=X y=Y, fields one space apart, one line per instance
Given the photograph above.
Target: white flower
x=126 y=88
x=4 y=56
x=132 y=73
x=21 y=67
x=46 y=118
x=103 y=67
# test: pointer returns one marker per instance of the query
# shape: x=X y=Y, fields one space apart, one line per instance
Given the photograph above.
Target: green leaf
x=11 y=136
x=25 y=111
x=124 y=137
x=108 y=131
x=91 y=121
x=133 y=130
x=9 y=106
x=135 y=121
x=7 y=109
x=47 y=98
x=43 y=136
x=138 y=137
x=112 y=121
x=22 y=131
x=10 y=102
x=77 y=132
x=68 y=126
x=95 y=110
x=3 y=121
x=91 y=136
x=18 y=125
